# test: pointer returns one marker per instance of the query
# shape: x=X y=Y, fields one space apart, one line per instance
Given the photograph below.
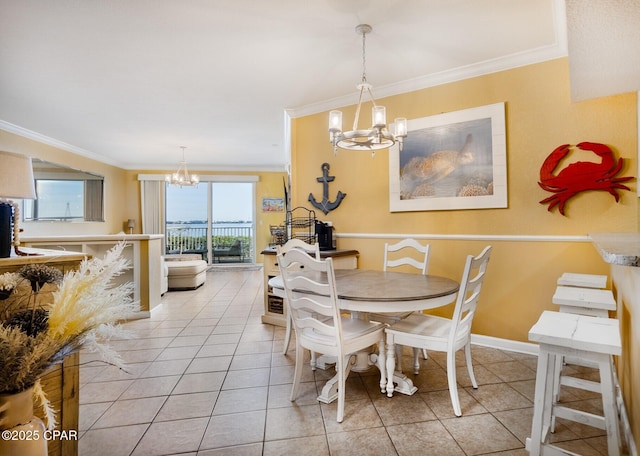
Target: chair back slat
x=311 y=249
x=301 y=272
x=413 y=254
x=469 y=294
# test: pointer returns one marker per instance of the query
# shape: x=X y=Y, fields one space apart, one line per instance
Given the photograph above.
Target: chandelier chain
x=364 y=58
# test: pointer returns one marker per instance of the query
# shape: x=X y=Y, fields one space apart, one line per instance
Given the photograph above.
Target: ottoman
x=186 y=275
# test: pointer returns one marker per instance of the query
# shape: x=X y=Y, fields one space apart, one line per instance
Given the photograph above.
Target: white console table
x=144 y=251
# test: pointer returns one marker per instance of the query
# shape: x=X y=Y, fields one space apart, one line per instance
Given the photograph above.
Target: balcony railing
x=194 y=240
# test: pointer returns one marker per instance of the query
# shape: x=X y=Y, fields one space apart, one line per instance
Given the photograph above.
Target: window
x=65 y=195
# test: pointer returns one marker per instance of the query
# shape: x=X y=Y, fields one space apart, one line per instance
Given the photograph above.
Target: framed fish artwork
x=451 y=161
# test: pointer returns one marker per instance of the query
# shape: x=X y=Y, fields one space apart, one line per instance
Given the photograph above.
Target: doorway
x=214 y=220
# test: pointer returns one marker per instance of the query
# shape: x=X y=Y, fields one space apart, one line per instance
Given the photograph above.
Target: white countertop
x=618 y=248
x=91 y=238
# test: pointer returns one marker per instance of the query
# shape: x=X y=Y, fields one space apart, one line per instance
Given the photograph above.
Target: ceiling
x=129 y=82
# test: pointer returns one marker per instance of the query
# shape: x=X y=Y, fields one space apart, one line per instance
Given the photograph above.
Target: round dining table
x=364 y=291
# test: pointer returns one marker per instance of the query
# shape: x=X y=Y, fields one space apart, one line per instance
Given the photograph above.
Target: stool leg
x=609 y=405
x=556 y=380
x=544 y=389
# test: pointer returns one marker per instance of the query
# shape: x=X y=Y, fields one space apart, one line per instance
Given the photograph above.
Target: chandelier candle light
x=181 y=177
x=378 y=136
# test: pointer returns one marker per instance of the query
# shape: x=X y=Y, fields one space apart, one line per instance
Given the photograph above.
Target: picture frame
x=272 y=204
x=451 y=161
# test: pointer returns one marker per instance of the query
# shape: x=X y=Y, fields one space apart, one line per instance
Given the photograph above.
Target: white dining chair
x=406 y=253
x=311 y=249
x=313 y=305
x=443 y=334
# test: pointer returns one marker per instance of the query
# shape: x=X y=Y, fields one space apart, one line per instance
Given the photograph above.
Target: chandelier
x=378 y=136
x=181 y=177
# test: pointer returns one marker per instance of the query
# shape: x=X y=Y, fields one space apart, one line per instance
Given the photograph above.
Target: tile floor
x=207 y=378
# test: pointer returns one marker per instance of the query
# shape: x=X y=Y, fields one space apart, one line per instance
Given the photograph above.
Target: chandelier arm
x=373 y=100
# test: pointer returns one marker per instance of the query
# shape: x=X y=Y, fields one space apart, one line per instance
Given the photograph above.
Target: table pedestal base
x=403 y=384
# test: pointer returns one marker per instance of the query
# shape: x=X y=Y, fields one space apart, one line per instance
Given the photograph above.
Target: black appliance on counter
x=324 y=234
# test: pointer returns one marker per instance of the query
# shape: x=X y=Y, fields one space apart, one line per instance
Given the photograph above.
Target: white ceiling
x=129 y=82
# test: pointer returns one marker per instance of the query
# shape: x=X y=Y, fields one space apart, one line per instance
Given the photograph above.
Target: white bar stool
x=572 y=279
x=581 y=301
x=584 y=301
x=589 y=338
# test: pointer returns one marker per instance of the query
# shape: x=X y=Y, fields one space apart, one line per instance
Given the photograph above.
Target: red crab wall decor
x=580 y=176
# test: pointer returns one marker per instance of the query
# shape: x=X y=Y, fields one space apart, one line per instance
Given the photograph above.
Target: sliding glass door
x=214 y=220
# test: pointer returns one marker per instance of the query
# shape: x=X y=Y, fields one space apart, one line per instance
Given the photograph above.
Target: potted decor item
x=83 y=313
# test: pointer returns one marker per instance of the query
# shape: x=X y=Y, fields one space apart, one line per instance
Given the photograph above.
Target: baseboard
x=624 y=419
x=532 y=349
x=504 y=344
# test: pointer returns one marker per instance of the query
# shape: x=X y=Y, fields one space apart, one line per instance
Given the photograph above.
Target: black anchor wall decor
x=325 y=205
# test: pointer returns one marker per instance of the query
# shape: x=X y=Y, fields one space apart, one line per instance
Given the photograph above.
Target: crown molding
x=25 y=133
x=517 y=60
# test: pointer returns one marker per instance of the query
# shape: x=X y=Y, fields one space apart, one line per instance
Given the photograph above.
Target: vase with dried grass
x=84 y=312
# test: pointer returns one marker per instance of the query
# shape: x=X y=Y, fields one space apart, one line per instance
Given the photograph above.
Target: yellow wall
x=531 y=246
x=269 y=185
x=122 y=193
x=115 y=191
x=539 y=117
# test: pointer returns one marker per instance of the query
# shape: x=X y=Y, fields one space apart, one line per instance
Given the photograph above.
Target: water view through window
x=226 y=214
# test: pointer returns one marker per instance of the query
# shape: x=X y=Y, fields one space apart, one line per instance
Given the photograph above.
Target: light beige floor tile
x=401 y=409
x=103 y=391
x=88 y=373
x=141 y=356
x=518 y=422
x=359 y=414
x=119 y=440
x=196 y=330
x=132 y=411
x=149 y=387
x=241 y=400
x=483 y=376
x=252 y=449
x=234 y=429
x=169 y=437
x=228 y=329
x=184 y=406
x=132 y=371
x=250 y=361
x=198 y=383
x=178 y=353
x=511 y=371
x=293 y=422
x=440 y=403
x=89 y=414
x=527 y=388
x=168 y=367
x=209 y=364
x=372 y=442
x=429 y=437
x=279 y=395
x=499 y=397
x=246 y=378
x=493 y=436
x=186 y=341
x=216 y=350
x=245 y=348
x=315 y=445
